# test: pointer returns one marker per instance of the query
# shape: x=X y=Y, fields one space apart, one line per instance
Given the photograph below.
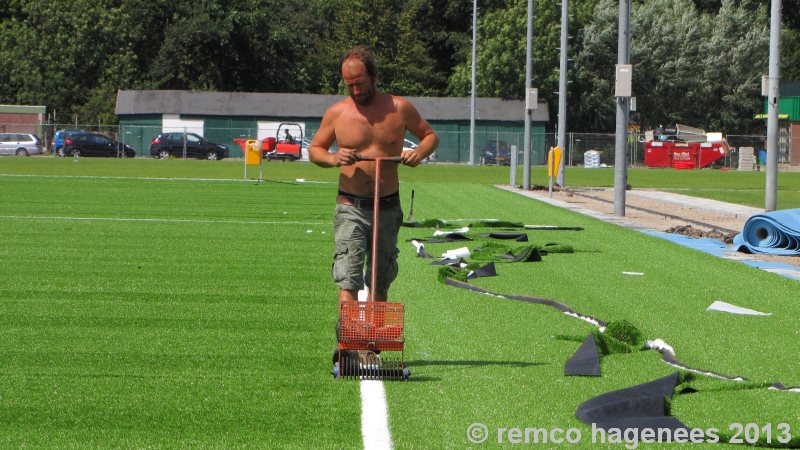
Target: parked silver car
x=20 y=144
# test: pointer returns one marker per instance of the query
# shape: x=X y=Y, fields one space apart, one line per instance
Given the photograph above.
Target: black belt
x=368 y=203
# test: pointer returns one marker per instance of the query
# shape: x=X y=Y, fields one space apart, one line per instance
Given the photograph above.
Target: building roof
x=257 y=104
x=790 y=89
x=22 y=109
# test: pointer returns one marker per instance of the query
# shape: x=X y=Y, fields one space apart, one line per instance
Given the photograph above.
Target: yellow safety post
x=553 y=161
x=253 y=157
x=553 y=164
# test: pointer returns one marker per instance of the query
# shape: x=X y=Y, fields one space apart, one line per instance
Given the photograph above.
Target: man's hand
x=345 y=157
x=411 y=158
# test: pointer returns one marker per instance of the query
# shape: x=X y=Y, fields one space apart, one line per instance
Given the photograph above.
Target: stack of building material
x=591 y=159
x=747 y=159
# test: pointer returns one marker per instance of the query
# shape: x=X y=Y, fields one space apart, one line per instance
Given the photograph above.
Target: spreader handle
x=395 y=159
x=376 y=215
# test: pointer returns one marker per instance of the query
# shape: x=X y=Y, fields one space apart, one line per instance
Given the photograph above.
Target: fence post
x=513 y=175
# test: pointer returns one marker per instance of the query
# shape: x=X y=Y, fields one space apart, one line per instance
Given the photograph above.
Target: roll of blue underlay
x=773 y=233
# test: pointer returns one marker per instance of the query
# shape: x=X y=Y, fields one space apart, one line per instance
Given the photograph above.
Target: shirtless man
x=367 y=123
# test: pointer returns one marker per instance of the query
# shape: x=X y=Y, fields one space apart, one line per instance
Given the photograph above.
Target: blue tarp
x=773 y=233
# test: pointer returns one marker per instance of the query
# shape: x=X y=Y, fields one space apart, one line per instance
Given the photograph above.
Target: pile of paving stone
x=688 y=230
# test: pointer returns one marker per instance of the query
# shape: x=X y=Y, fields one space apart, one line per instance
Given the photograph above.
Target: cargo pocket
x=387 y=273
x=339 y=267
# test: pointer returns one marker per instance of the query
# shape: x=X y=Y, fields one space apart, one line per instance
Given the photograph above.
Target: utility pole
x=526 y=168
x=771 y=189
x=622 y=96
x=472 y=99
x=562 y=92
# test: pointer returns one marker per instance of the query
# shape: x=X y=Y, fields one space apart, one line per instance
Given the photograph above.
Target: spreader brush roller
x=366 y=365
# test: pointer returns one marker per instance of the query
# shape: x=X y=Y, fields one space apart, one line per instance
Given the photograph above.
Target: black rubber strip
x=667 y=356
x=447 y=262
x=585 y=362
x=637 y=407
x=484 y=271
x=552 y=228
x=535 y=300
x=452 y=237
x=530 y=254
x=518 y=237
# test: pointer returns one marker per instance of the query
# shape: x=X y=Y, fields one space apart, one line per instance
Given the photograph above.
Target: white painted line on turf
x=101 y=177
x=374 y=416
x=132 y=219
x=106 y=177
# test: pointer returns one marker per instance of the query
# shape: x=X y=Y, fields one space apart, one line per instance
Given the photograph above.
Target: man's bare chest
x=355 y=130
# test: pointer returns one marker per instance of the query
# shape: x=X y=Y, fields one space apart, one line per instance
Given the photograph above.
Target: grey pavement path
x=621 y=221
x=713 y=206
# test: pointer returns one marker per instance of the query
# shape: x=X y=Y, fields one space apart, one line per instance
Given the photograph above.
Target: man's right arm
x=323 y=139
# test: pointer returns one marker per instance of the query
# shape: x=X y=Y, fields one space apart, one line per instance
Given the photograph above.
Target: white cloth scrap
x=438 y=233
x=733 y=309
x=462 y=252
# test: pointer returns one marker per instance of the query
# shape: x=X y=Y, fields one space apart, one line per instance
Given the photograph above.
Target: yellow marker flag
x=553 y=161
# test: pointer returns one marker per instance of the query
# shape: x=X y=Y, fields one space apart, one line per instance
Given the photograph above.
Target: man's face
x=360 y=85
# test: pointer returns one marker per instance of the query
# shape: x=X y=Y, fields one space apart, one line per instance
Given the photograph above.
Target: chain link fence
x=490 y=148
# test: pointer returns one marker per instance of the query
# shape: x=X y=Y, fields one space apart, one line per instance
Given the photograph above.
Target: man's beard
x=365 y=98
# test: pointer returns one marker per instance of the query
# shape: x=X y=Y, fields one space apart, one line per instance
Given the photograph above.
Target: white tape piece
x=733 y=309
x=438 y=233
x=462 y=252
x=374 y=416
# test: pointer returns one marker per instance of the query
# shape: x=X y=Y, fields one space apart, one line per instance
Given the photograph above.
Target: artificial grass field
x=146 y=312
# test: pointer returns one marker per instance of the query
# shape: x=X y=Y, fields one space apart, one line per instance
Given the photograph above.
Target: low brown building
x=21 y=119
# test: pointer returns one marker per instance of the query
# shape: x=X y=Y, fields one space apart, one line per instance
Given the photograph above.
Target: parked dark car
x=496 y=153
x=60 y=135
x=189 y=145
x=90 y=144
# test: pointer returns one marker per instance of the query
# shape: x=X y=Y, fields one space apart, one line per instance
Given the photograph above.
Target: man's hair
x=363 y=54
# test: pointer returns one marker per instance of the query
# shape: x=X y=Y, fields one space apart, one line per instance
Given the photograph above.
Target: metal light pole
x=526 y=169
x=562 y=92
x=472 y=99
x=620 y=165
x=771 y=189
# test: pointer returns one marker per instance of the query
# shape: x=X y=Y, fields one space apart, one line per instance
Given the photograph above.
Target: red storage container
x=684 y=155
x=657 y=154
x=710 y=152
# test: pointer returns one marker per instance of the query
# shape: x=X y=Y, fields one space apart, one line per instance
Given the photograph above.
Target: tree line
x=697 y=62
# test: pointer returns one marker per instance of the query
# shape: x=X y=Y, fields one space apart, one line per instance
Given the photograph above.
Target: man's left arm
x=419 y=127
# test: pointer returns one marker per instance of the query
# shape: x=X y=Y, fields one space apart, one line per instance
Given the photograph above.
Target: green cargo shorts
x=352 y=256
